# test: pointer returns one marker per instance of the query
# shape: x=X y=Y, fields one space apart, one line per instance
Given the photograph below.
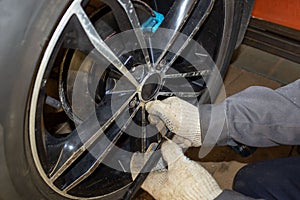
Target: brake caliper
x=153 y=22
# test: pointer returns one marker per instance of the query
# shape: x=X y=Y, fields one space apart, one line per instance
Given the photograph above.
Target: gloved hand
x=181 y=118
x=185 y=179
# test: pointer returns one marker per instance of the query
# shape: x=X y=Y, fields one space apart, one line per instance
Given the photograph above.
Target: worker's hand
x=185 y=179
x=181 y=118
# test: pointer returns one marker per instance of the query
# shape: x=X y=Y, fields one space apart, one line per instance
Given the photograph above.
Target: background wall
x=283 y=12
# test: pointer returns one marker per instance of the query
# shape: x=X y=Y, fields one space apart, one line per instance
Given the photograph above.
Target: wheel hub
x=151 y=82
x=151 y=87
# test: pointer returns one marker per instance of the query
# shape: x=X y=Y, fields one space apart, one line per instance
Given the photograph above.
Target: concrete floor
x=249 y=67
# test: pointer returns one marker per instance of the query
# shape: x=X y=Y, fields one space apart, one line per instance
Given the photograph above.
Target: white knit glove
x=181 y=118
x=185 y=179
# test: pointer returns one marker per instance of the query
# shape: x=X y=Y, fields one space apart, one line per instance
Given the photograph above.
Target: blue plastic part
x=153 y=23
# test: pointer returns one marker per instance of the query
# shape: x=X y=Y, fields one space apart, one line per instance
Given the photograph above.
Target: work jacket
x=257 y=116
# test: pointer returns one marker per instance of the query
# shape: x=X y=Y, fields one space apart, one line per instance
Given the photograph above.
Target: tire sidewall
x=22 y=44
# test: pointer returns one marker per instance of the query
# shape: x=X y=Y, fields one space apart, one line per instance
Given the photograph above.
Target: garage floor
x=249 y=67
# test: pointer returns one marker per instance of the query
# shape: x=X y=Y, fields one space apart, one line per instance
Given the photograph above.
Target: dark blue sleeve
x=231 y=195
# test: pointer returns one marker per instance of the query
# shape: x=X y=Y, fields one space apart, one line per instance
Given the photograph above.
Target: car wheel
x=76 y=77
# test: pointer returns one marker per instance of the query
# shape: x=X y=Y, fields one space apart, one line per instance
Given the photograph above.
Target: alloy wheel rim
x=159 y=76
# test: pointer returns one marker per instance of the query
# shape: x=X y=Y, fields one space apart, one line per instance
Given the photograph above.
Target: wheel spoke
x=124 y=92
x=135 y=23
x=100 y=45
x=198 y=17
x=181 y=94
x=175 y=21
x=144 y=130
x=188 y=82
x=189 y=74
x=74 y=149
x=99 y=152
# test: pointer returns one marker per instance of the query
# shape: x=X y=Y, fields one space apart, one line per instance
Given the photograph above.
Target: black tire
x=26 y=27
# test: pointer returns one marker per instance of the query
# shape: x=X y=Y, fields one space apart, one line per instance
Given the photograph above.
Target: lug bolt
x=133 y=103
x=161 y=64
